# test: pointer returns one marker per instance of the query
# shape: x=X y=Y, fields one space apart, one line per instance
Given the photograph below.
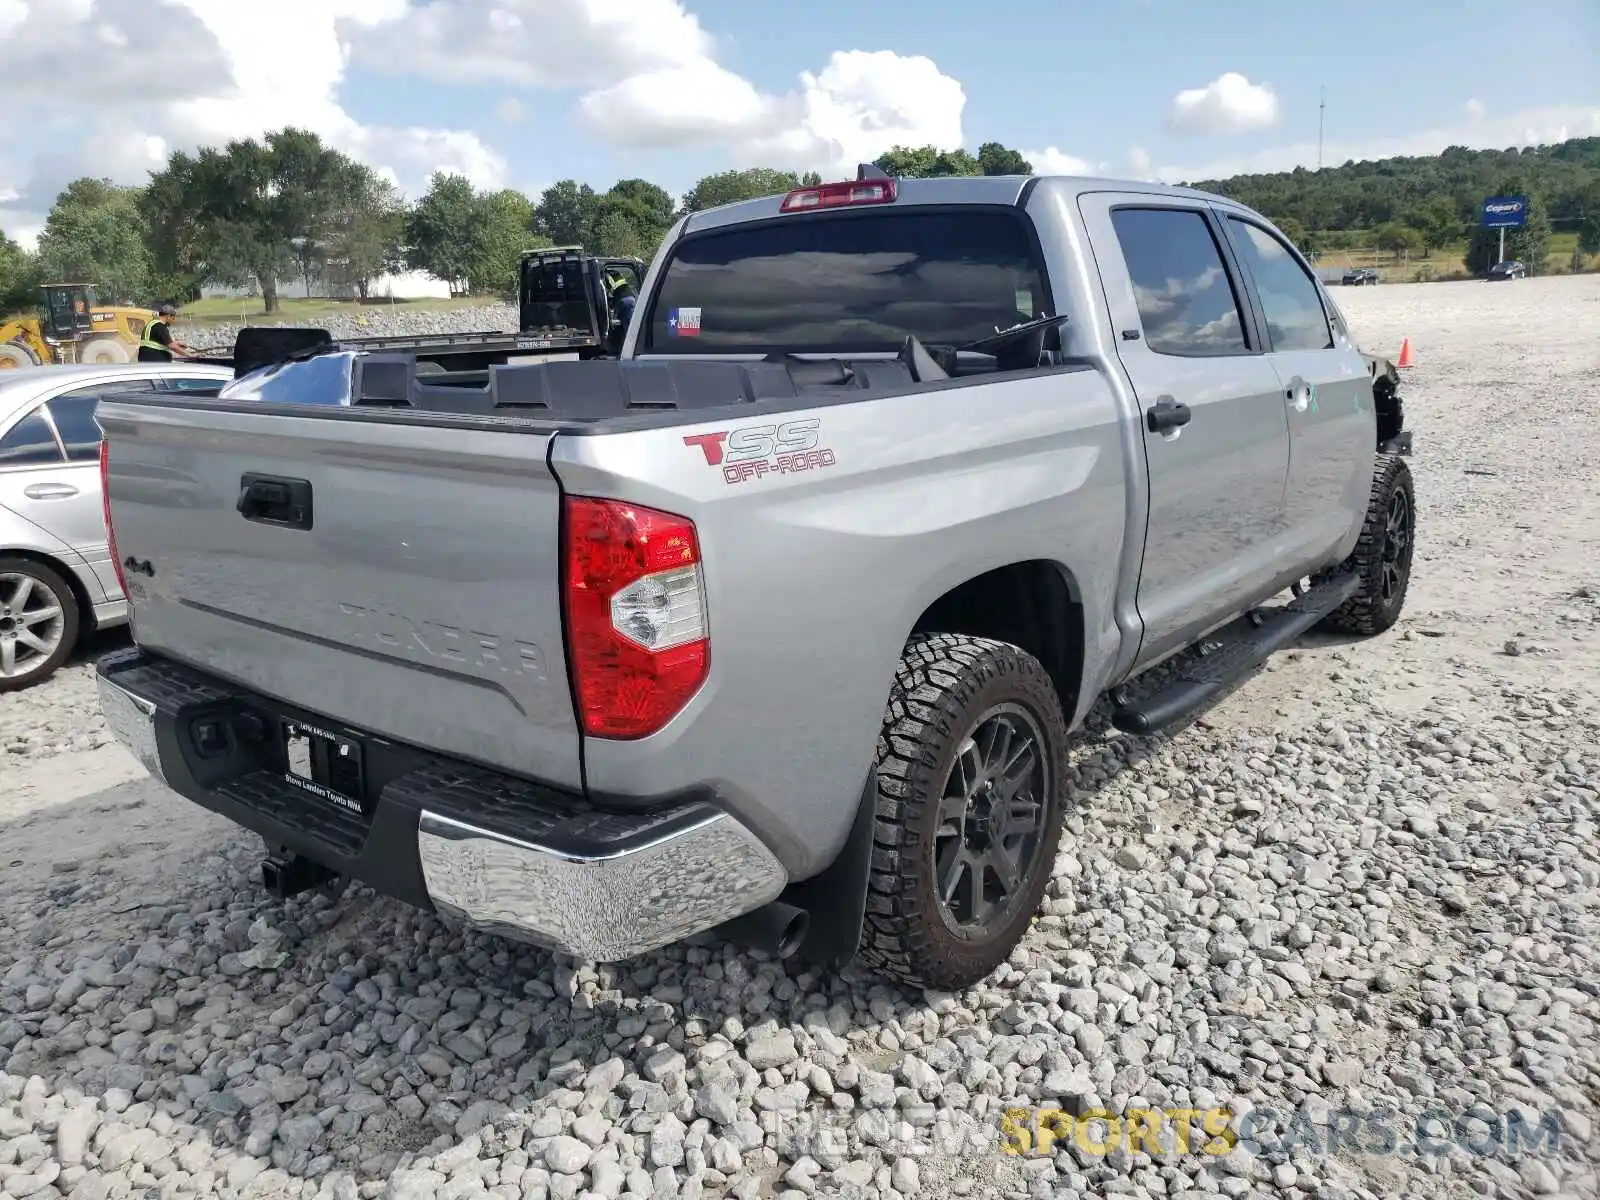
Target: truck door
x=1216 y=432
x=1327 y=393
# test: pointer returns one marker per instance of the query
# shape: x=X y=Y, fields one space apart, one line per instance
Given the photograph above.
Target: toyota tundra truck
x=777 y=625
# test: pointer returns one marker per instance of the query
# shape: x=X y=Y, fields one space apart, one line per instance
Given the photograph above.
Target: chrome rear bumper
x=600 y=886
x=598 y=906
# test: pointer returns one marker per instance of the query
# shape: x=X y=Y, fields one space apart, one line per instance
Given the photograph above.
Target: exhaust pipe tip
x=777 y=928
x=793 y=934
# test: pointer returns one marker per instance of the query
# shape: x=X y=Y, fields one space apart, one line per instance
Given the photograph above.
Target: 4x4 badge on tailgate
x=753 y=451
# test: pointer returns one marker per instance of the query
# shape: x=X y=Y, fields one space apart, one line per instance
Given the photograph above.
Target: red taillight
x=105 y=508
x=636 y=615
x=838 y=195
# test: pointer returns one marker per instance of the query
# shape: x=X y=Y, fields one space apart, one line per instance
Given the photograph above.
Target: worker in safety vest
x=622 y=297
x=158 y=344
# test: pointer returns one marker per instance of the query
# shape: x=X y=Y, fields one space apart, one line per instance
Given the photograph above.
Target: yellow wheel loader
x=72 y=327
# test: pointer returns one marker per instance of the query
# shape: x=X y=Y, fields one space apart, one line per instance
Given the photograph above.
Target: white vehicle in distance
x=56 y=575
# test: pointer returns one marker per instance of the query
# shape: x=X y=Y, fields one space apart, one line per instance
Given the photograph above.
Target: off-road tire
x=51 y=581
x=14 y=355
x=1375 y=608
x=944 y=684
x=105 y=351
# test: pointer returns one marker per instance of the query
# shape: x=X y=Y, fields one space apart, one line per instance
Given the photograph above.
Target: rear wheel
x=38 y=622
x=1382 y=558
x=971 y=763
x=12 y=356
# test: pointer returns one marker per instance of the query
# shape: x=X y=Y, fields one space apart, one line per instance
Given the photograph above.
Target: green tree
x=908 y=162
x=441 y=232
x=1438 y=221
x=19 y=278
x=727 y=187
x=1529 y=245
x=996 y=159
x=617 y=236
x=1291 y=228
x=1397 y=239
x=644 y=207
x=1362 y=195
x=566 y=213
x=365 y=234
x=503 y=232
x=94 y=235
x=927 y=162
x=1589 y=224
x=249 y=211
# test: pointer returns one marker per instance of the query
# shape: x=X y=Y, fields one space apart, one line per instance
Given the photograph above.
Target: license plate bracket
x=326 y=764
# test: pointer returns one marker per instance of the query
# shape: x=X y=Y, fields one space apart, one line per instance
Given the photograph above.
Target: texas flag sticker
x=684 y=322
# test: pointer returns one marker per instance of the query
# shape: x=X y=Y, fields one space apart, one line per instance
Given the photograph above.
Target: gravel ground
x=379 y=322
x=1360 y=890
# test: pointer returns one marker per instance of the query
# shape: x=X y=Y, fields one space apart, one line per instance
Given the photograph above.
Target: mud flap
x=837 y=899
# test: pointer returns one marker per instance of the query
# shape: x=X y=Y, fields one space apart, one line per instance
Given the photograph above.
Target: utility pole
x=1322 y=108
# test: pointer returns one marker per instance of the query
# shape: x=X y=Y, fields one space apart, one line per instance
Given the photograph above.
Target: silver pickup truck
x=778 y=624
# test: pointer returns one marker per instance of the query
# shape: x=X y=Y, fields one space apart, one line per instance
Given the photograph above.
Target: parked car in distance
x=56 y=576
x=1360 y=276
x=1510 y=269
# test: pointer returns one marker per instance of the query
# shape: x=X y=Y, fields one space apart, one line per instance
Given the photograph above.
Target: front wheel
x=972 y=761
x=38 y=622
x=1382 y=558
x=14 y=355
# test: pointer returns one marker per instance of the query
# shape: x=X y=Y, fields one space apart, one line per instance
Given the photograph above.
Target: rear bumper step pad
x=496 y=852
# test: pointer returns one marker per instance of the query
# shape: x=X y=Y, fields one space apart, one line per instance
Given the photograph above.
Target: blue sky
x=525 y=92
x=1097 y=80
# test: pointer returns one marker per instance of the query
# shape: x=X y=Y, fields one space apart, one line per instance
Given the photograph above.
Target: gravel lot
x=1361 y=889
x=378 y=322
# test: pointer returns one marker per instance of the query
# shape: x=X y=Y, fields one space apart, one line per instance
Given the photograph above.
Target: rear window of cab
x=849 y=282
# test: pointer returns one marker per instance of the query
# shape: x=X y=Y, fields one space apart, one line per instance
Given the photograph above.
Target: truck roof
x=953 y=189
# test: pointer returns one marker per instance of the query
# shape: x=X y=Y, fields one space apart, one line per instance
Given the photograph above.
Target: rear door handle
x=274 y=500
x=1167 y=414
x=49 y=491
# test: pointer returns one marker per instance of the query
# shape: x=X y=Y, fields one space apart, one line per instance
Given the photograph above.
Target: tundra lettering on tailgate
x=428 y=639
x=753 y=451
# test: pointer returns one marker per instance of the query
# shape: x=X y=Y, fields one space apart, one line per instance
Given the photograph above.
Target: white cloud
x=1230 y=103
x=651 y=79
x=511 y=111
x=1139 y=163
x=859 y=105
x=1530 y=127
x=221 y=69
x=1051 y=161
x=536 y=43
x=1474 y=110
x=12 y=14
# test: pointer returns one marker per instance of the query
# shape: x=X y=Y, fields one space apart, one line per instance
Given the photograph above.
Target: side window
x=1289 y=297
x=74 y=417
x=73 y=413
x=1186 y=300
x=29 y=443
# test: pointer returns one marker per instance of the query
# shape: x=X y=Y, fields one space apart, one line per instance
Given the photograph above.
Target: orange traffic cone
x=1405 y=354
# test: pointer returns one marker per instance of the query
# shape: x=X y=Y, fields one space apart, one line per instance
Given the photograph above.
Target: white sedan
x=56 y=575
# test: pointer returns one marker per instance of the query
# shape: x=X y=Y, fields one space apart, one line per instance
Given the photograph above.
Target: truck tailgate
x=423 y=602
